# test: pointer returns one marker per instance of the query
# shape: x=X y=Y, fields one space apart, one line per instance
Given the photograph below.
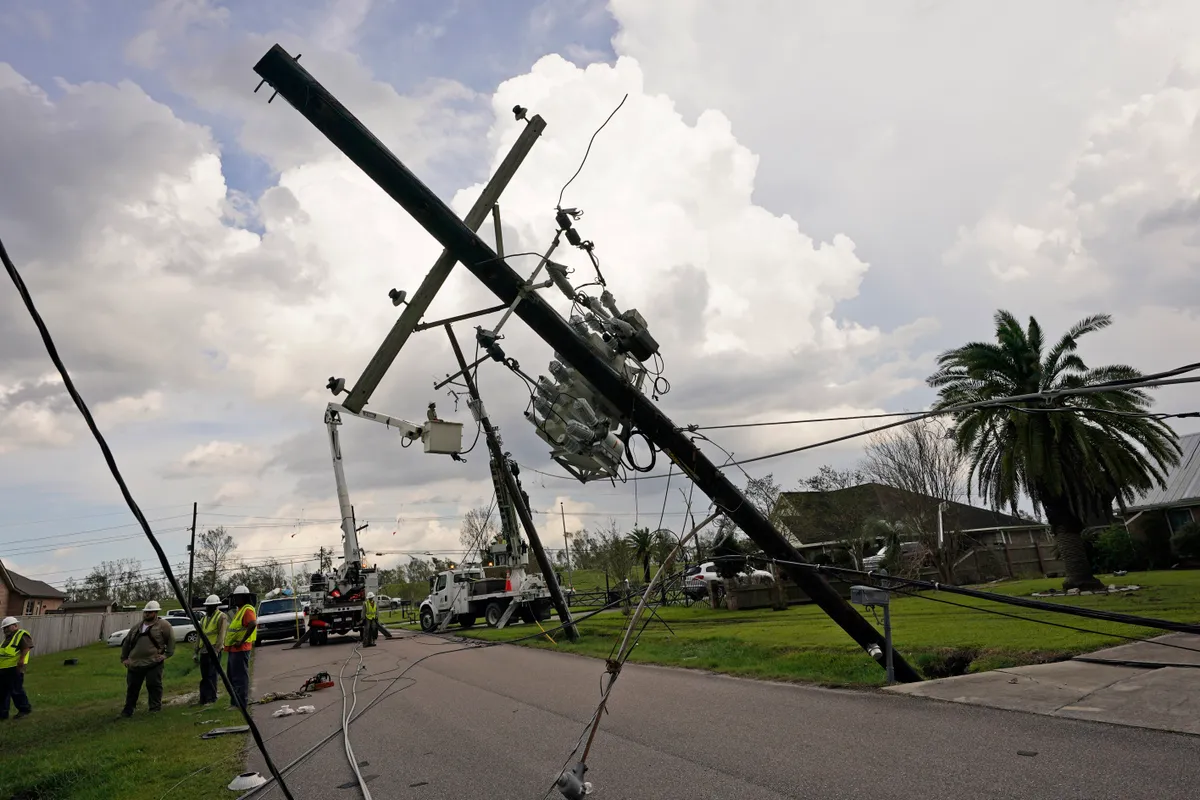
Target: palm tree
x=642 y=542
x=1073 y=456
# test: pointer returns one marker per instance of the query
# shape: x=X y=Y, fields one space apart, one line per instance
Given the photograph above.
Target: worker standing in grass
x=239 y=642
x=145 y=649
x=214 y=625
x=15 y=644
x=370 y=620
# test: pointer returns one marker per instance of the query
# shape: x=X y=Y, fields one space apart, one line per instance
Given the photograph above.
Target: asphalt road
x=499 y=722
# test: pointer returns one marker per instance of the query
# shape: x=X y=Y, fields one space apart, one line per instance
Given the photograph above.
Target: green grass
x=76 y=747
x=802 y=644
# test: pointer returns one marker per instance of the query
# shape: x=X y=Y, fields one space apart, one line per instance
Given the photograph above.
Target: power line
x=588 y=151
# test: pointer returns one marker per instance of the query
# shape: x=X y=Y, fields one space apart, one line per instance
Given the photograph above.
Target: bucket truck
x=336 y=597
x=497 y=588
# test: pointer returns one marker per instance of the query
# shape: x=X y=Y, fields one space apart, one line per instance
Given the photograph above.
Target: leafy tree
x=615 y=554
x=1073 y=456
x=214 y=554
x=478 y=529
x=324 y=558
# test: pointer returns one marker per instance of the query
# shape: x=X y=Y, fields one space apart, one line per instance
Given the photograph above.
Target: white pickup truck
x=468 y=594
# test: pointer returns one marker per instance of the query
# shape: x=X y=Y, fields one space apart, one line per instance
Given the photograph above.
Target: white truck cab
x=467 y=593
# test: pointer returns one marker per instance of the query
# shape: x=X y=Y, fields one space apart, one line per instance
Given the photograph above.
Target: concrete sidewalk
x=1143 y=684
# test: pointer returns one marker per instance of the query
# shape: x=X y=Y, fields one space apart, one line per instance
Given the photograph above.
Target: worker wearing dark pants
x=146 y=647
x=239 y=643
x=370 y=620
x=213 y=625
x=15 y=644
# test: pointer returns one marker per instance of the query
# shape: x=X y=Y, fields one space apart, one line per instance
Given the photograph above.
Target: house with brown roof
x=24 y=597
x=987 y=543
x=1178 y=503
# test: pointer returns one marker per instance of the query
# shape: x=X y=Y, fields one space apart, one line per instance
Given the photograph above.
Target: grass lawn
x=802 y=644
x=75 y=746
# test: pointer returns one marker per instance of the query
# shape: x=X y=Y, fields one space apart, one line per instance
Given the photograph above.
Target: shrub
x=1185 y=542
x=1114 y=549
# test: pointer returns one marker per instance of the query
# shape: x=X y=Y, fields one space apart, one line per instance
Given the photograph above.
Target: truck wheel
x=427 y=622
x=466 y=620
x=527 y=615
x=493 y=613
x=542 y=612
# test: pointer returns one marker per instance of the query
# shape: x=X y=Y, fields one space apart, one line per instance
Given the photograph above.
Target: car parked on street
x=183 y=628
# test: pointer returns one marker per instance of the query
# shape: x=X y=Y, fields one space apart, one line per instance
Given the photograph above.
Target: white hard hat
x=212 y=600
x=370 y=596
x=152 y=606
x=9 y=621
x=241 y=589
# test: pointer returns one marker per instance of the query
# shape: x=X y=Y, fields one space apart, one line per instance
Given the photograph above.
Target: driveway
x=499 y=722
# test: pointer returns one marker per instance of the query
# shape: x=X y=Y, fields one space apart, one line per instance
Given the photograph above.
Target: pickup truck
x=467 y=593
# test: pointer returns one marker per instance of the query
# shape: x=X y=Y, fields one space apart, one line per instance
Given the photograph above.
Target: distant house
x=21 y=596
x=1177 y=504
x=805 y=514
x=89 y=607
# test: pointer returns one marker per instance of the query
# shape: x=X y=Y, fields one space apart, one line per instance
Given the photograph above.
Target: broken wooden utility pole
x=311 y=99
x=418 y=304
x=514 y=492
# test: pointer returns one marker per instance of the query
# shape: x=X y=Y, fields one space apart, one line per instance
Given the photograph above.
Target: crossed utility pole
x=330 y=117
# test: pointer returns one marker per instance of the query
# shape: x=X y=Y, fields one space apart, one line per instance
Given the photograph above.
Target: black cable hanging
x=134 y=509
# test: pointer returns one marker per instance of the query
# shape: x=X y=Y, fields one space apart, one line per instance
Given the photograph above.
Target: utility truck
x=466 y=594
x=336 y=597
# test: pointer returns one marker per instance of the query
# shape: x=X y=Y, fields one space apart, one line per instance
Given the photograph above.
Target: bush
x=1185 y=542
x=1114 y=549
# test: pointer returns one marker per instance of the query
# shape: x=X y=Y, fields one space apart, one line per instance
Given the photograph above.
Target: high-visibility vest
x=234 y=634
x=370 y=609
x=211 y=626
x=11 y=652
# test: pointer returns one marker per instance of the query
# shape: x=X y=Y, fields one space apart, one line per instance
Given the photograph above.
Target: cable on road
x=362 y=784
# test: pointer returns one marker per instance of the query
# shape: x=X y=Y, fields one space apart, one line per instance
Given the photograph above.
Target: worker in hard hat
x=145 y=648
x=15 y=644
x=213 y=625
x=239 y=642
x=370 y=620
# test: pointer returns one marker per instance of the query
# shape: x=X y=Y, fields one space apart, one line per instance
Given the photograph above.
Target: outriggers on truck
x=499 y=586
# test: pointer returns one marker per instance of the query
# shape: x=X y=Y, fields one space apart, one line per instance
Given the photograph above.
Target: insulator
x=547 y=388
x=583 y=409
x=577 y=430
x=560 y=371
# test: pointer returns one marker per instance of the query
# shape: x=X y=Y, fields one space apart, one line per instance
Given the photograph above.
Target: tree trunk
x=1068 y=537
x=646 y=569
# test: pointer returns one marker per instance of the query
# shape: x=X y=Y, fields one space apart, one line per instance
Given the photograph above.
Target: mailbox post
x=870 y=597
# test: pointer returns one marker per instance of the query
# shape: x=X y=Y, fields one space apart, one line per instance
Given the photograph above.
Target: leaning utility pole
x=191 y=561
x=329 y=116
x=514 y=492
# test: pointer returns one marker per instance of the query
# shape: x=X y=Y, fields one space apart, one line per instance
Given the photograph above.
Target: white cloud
x=219 y=459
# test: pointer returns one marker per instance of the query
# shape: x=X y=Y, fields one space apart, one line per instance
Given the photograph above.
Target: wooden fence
x=1032 y=559
x=53 y=633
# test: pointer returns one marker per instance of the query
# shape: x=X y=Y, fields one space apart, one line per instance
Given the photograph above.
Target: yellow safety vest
x=371 y=610
x=211 y=626
x=234 y=634
x=11 y=652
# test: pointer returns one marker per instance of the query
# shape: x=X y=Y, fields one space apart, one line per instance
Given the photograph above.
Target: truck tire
x=527 y=615
x=466 y=620
x=541 y=610
x=493 y=613
x=427 y=621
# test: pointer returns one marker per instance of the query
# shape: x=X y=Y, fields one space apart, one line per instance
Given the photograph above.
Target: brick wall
x=4 y=598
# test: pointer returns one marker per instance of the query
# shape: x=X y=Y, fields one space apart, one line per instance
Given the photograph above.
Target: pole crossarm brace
x=311 y=99
x=418 y=304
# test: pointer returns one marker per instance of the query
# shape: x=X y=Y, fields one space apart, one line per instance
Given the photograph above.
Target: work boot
x=24 y=714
